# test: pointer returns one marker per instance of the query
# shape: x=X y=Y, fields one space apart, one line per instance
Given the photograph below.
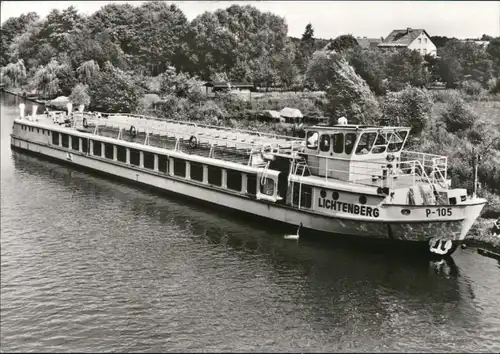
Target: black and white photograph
x=250 y=176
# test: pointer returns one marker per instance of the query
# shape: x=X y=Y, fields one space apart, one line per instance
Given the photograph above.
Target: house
x=414 y=39
x=228 y=86
x=368 y=43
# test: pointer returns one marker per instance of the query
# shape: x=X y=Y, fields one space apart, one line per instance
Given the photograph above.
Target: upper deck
x=235 y=145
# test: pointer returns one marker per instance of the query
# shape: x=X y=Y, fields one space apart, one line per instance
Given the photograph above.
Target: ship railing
x=132 y=118
x=435 y=166
x=251 y=144
x=380 y=173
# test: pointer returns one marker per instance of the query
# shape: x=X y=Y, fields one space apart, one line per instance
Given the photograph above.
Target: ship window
x=179 y=168
x=312 y=140
x=38 y=130
x=84 y=145
x=215 y=175
x=196 y=171
x=305 y=195
x=338 y=143
x=48 y=132
x=97 y=148
x=378 y=149
x=365 y=143
x=252 y=184
x=350 y=139
x=396 y=141
x=55 y=138
x=163 y=164
x=149 y=160
x=233 y=180
x=135 y=157
x=64 y=140
x=75 y=143
x=121 y=153
x=108 y=151
x=267 y=187
x=324 y=144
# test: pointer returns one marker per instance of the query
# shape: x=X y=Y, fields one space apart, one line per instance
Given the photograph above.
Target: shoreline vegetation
x=150 y=60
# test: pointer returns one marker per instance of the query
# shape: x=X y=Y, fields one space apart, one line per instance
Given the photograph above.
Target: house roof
x=224 y=84
x=368 y=42
x=402 y=38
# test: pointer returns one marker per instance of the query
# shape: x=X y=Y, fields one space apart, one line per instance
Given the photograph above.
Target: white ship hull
x=415 y=234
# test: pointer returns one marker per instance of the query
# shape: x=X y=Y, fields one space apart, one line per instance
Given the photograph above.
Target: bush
x=79 y=95
x=472 y=88
x=458 y=116
x=494 y=85
x=409 y=107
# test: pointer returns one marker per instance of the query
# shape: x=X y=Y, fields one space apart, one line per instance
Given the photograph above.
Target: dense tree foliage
x=239 y=43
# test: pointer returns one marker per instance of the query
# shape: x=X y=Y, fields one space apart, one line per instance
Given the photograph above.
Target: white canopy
x=290 y=113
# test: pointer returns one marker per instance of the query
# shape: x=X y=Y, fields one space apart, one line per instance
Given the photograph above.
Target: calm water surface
x=90 y=264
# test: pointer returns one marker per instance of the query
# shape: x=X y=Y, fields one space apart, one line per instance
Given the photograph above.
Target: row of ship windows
x=38 y=130
x=214 y=174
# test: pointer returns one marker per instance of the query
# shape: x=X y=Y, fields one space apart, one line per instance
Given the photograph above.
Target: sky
x=461 y=19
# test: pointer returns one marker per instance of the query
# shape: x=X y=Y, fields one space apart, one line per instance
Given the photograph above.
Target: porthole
x=405 y=211
x=335 y=195
x=362 y=199
x=323 y=193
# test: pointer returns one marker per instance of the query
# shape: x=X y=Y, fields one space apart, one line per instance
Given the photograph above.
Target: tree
x=370 y=65
x=465 y=60
x=159 y=30
x=343 y=43
x=118 y=20
x=405 y=67
x=114 y=90
x=458 y=116
x=12 y=28
x=347 y=93
x=306 y=47
x=46 y=81
x=409 y=107
x=217 y=41
x=16 y=72
x=88 y=71
x=79 y=95
x=493 y=49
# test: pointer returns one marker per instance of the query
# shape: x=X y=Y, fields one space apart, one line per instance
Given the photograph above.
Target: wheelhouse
x=341 y=151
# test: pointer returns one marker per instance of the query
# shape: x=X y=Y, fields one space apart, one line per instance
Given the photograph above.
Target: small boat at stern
x=342 y=180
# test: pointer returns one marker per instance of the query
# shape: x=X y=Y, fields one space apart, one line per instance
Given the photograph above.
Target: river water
x=90 y=264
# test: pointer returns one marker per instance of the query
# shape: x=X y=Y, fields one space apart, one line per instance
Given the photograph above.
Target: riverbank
x=481 y=235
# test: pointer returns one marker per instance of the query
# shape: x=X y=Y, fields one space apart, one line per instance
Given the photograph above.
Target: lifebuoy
x=133 y=131
x=193 y=142
x=85 y=123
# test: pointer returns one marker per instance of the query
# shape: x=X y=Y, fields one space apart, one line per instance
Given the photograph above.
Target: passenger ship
x=341 y=180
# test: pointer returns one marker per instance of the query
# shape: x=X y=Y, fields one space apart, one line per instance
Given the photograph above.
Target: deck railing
x=402 y=172
x=212 y=135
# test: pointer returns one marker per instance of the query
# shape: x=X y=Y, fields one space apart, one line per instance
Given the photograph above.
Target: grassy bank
x=480 y=235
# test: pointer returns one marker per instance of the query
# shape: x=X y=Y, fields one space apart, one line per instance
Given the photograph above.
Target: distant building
x=483 y=44
x=229 y=86
x=367 y=43
x=414 y=39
